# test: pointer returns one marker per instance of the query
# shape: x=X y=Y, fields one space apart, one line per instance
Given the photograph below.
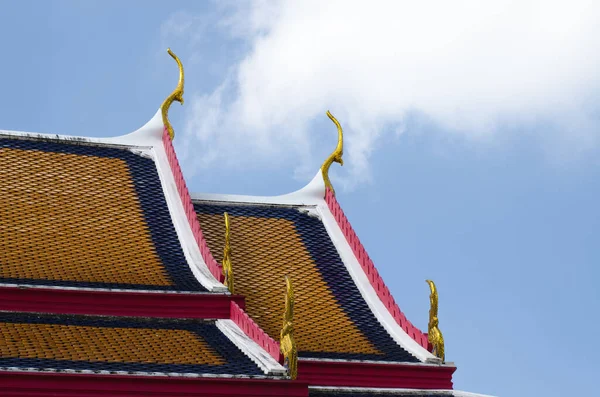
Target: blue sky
x=471 y=157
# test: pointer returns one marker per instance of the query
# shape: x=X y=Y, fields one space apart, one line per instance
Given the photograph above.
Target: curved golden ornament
x=287 y=342
x=434 y=335
x=227 y=266
x=176 y=95
x=336 y=156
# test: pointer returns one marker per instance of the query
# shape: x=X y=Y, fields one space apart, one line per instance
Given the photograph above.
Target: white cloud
x=466 y=65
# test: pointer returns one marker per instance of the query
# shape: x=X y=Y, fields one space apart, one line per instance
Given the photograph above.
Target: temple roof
x=115 y=215
x=109 y=266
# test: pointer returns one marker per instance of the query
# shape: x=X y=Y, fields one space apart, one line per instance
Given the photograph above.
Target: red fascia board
x=372 y=274
x=112 y=303
x=31 y=384
x=190 y=213
x=352 y=374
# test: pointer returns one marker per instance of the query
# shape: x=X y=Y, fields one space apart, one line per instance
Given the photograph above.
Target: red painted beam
x=13 y=384
x=112 y=303
x=352 y=374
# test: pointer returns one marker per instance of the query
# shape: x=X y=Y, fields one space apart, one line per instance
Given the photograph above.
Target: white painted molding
x=391 y=363
x=458 y=393
x=397 y=391
x=250 y=348
x=149 y=135
x=311 y=194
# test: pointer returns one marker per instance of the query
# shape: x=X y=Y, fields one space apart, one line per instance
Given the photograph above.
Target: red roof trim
x=109 y=303
x=87 y=385
x=369 y=268
x=186 y=200
x=237 y=313
x=352 y=374
x=250 y=328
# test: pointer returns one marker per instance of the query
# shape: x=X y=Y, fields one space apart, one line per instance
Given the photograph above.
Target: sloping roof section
x=119 y=345
x=76 y=214
x=332 y=320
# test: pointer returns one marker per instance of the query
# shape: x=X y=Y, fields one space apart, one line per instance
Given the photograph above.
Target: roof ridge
x=147 y=135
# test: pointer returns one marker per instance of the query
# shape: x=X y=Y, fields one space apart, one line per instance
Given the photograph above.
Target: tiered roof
x=111 y=281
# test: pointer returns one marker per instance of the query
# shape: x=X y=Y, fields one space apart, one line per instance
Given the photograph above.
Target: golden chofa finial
x=434 y=335
x=335 y=156
x=176 y=95
x=227 y=267
x=287 y=342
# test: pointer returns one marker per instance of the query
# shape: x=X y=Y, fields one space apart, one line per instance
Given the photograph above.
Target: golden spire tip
x=336 y=156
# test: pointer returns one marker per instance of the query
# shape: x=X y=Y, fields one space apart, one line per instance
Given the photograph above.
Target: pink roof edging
x=373 y=275
x=186 y=200
x=257 y=334
x=237 y=314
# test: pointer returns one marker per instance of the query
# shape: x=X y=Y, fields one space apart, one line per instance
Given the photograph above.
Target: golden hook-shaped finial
x=176 y=95
x=434 y=335
x=227 y=266
x=336 y=156
x=287 y=342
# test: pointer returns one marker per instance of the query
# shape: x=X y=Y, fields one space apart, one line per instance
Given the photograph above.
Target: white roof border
x=311 y=194
x=458 y=393
x=404 y=392
x=390 y=363
x=250 y=348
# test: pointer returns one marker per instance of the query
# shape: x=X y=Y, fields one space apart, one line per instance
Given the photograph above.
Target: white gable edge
x=182 y=225
x=405 y=392
x=390 y=363
x=311 y=194
x=458 y=393
x=250 y=348
x=366 y=288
